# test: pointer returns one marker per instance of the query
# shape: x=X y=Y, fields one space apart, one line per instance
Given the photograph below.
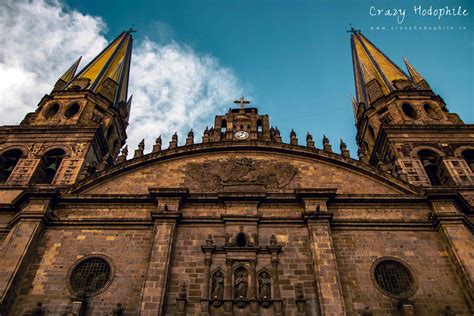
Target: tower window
x=51 y=110
x=223 y=126
x=8 y=161
x=431 y=111
x=430 y=161
x=90 y=276
x=71 y=110
x=410 y=111
x=259 y=126
x=468 y=156
x=49 y=166
x=393 y=278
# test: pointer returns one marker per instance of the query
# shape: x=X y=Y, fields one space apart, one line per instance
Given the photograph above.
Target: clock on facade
x=241 y=135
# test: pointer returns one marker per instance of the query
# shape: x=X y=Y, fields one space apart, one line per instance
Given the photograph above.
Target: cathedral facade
x=239 y=222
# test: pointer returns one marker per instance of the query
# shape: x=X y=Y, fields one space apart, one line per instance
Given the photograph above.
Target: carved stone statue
x=299 y=291
x=39 y=310
x=264 y=285
x=217 y=291
x=182 y=289
x=241 y=283
x=273 y=240
x=118 y=310
x=449 y=312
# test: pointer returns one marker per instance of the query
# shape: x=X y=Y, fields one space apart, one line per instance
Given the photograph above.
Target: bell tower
x=76 y=128
x=403 y=126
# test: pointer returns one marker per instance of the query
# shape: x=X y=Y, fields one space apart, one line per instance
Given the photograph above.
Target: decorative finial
x=157 y=146
x=352 y=29
x=344 y=151
x=131 y=30
x=174 y=140
x=242 y=102
x=190 y=138
x=326 y=145
x=205 y=137
x=309 y=140
x=293 y=139
x=141 y=148
x=123 y=154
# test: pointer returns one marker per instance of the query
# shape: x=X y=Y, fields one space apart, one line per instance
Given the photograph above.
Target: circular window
x=51 y=110
x=431 y=111
x=393 y=278
x=409 y=110
x=71 y=110
x=91 y=275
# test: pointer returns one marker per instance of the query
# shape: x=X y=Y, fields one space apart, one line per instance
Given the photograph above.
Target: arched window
x=49 y=166
x=430 y=161
x=468 y=155
x=223 y=126
x=8 y=161
x=259 y=126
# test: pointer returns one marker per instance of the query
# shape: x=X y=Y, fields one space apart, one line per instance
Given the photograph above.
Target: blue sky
x=293 y=58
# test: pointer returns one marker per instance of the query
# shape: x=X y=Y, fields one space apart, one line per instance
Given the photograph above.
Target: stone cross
x=242 y=102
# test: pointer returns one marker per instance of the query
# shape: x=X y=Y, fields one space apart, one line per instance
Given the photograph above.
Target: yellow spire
x=415 y=76
x=69 y=74
x=355 y=108
x=67 y=77
x=370 y=63
x=368 y=76
x=114 y=63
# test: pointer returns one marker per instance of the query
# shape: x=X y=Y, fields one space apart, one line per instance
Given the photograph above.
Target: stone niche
x=241 y=276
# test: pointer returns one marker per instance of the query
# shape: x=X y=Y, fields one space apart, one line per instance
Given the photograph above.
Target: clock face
x=241 y=135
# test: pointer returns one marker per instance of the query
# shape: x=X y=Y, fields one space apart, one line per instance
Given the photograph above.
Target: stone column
x=325 y=265
x=18 y=247
x=452 y=227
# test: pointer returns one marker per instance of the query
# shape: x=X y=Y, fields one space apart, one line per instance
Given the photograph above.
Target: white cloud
x=174 y=88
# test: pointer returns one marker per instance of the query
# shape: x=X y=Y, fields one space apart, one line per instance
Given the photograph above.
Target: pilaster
x=165 y=220
x=451 y=225
x=19 y=245
x=324 y=258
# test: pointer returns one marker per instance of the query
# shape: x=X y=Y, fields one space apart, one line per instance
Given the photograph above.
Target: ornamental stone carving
x=235 y=173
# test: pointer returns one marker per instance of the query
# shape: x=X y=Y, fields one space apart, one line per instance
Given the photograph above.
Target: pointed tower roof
x=69 y=74
x=371 y=63
x=114 y=63
x=415 y=75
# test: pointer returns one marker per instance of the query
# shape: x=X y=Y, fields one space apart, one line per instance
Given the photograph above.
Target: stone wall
x=423 y=251
x=60 y=248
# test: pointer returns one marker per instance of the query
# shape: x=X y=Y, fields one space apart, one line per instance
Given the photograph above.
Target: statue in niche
x=217 y=291
x=241 y=283
x=264 y=285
